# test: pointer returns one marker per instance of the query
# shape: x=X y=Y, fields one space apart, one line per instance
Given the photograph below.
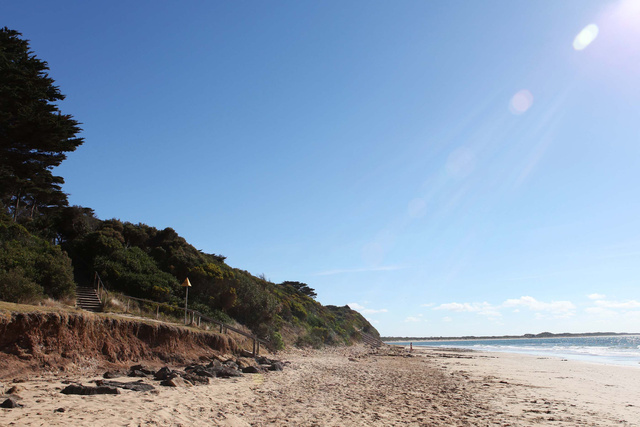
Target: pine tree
x=34 y=134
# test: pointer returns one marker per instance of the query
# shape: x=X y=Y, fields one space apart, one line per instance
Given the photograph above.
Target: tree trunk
x=15 y=211
x=33 y=207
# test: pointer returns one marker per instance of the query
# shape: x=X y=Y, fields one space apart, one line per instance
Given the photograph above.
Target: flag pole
x=186 y=284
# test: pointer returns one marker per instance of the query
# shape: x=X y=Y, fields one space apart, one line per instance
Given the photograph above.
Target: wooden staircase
x=371 y=340
x=87 y=299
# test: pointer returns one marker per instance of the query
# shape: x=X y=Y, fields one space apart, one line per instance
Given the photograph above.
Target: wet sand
x=358 y=386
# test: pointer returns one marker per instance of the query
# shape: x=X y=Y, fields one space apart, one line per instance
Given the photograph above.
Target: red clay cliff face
x=54 y=341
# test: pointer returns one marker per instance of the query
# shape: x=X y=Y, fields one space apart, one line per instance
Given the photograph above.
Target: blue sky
x=446 y=168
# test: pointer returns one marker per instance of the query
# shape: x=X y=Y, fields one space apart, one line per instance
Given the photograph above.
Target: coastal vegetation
x=47 y=246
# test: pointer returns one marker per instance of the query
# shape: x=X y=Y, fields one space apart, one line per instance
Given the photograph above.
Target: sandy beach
x=357 y=386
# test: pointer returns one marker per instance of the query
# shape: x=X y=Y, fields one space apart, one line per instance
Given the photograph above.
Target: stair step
x=87 y=299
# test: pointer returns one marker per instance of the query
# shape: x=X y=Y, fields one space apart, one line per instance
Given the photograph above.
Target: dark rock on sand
x=141 y=368
x=261 y=360
x=231 y=364
x=87 y=390
x=215 y=363
x=175 y=382
x=134 y=386
x=276 y=366
x=164 y=374
x=195 y=379
x=251 y=370
x=13 y=390
x=112 y=374
x=200 y=370
x=10 y=403
x=227 y=372
x=243 y=362
x=140 y=371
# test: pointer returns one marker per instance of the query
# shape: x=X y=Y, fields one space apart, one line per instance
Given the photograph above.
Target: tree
x=302 y=288
x=31 y=267
x=34 y=134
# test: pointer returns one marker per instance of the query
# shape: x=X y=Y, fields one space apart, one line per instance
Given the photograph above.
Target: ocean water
x=614 y=350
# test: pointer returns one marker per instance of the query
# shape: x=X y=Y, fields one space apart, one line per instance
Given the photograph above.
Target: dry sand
x=360 y=387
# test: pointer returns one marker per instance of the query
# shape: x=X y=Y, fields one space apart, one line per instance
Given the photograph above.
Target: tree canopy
x=34 y=135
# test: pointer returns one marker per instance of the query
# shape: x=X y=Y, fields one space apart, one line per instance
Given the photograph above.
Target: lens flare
x=460 y=163
x=585 y=37
x=521 y=102
x=417 y=208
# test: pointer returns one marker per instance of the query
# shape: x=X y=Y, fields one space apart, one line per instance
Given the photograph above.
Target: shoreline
x=610 y=357
x=462 y=339
x=353 y=386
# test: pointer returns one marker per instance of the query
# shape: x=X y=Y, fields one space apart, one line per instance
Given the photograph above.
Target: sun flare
x=586 y=37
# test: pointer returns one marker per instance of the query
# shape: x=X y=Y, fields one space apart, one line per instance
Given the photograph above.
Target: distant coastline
x=502 y=337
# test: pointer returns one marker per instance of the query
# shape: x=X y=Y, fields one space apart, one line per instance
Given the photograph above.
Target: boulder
x=244 y=362
x=252 y=370
x=13 y=390
x=201 y=371
x=134 y=386
x=175 y=382
x=112 y=374
x=164 y=374
x=215 y=363
x=227 y=372
x=11 y=403
x=231 y=364
x=261 y=360
x=276 y=366
x=142 y=369
x=195 y=379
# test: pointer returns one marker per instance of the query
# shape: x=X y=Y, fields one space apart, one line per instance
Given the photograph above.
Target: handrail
x=98 y=283
x=370 y=339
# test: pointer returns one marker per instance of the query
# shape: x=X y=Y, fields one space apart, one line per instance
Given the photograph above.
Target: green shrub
x=25 y=258
x=15 y=287
x=276 y=341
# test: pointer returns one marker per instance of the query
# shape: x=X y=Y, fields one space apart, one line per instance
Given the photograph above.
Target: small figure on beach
x=410 y=347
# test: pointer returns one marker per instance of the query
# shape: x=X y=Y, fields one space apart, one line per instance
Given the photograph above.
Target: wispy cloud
x=627 y=305
x=363 y=310
x=413 y=319
x=360 y=270
x=596 y=296
x=482 y=308
x=556 y=309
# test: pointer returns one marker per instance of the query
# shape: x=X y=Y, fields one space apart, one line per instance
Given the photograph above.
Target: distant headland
x=498 y=337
